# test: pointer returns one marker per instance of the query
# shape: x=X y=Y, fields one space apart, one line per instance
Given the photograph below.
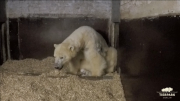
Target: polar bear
x=111 y=59
x=79 y=66
x=87 y=43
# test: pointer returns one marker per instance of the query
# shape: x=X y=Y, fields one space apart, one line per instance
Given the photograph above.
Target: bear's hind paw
x=84 y=72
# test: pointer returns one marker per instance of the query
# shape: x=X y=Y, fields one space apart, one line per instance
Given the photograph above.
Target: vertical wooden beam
x=7 y=34
x=2 y=33
x=115 y=20
x=19 y=41
x=3 y=43
x=115 y=35
x=8 y=39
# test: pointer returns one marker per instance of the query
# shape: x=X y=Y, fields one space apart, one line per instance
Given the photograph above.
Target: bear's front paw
x=84 y=72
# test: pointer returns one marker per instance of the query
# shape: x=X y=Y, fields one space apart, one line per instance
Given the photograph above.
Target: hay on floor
x=37 y=80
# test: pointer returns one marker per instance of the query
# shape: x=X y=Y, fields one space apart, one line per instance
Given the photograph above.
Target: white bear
x=111 y=59
x=84 y=46
x=74 y=65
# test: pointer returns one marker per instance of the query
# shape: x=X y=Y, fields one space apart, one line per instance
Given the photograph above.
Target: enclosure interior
x=150 y=57
x=148 y=49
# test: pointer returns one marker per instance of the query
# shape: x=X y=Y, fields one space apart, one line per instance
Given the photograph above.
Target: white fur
x=111 y=59
x=90 y=52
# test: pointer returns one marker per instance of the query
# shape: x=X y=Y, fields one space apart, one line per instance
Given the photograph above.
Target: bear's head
x=63 y=53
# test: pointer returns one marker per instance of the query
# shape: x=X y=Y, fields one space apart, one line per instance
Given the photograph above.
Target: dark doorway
x=150 y=58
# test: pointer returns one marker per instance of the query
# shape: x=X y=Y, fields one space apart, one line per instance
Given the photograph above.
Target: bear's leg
x=111 y=59
x=71 y=69
x=97 y=72
x=97 y=62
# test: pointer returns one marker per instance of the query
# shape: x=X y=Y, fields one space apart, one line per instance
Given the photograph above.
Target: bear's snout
x=56 y=66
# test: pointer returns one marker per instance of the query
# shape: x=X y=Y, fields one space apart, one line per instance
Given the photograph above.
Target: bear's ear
x=71 y=48
x=55 y=45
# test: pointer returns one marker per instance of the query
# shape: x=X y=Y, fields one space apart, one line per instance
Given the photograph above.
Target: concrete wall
x=148 y=8
x=58 y=8
x=91 y=8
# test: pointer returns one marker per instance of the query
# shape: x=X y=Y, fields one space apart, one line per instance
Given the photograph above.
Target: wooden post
x=7 y=35
x=3 y=43
x=8 y=40
x=115 y=20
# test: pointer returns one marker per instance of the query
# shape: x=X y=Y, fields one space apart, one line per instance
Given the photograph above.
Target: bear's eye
x=61 y=57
